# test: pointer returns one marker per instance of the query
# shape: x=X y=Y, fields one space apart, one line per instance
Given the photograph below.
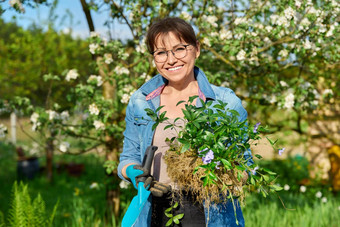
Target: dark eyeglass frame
x=172 y=51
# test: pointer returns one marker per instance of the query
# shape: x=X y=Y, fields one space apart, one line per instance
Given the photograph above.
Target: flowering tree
x=274 y=54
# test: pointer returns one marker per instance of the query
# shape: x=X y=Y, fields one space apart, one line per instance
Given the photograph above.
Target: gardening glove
x=159 y=189
x=137 y=173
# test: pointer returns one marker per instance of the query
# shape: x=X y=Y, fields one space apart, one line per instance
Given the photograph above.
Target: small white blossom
x=266 y=40
x=34 y=117
x=272 y=99
x=241 y=55
x=206 y=41
x=330 y=31
x=186 y=16
x=324 y=200
x=94 y=185
x=98 y=125
x=72 y=75
x=289 y=13
x=94 y=109
x=64 y=146
x=318 y=194
x=124 y=184
x=289 y=101
x=268 y=28
x=94 y=34
x=3 y=130
x=240 y=20
x=95 y=78
x=211 y=20
x=52 y=114
x=64 y=115
x=93 y=47
x=327 y=92
x=286 y=187
x=307 y=45
x=283 y=53
x=283 y=83
x=303 y=188
x=282 y=20
x=131 y=15
x=298 y=3
x=125 y=98
x=108 y=58
x=141 y=48
x=121 y=70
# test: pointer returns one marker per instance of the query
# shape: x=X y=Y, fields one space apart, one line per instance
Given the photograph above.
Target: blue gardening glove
x=137 y=174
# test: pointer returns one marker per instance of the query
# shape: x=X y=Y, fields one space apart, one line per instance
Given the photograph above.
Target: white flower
x=64 y=115
x=98 y=125
x=241 y=55
x=240 y=20
x=286 y=187
x=307 y=45
x=3 y=130
x=266 y=40
x=72 y=75
x=108 y=58
x=124 y=184
x=211 y=20
x=327 y=92
x=318 y=194
x=125 y=98
x=303 y=188
x=324 y=200
x=128 y=88
x=289 y=13
x=322 y=28
x=17 y=3
x=64 y=146
x=283 y=83
x=95 y=78
x=186 y=16
x=94 y=185
x=52 y=114
x=94 y=34
x=304 y=23
x=282 y=20
x=93 y=47
x=283 y=53
x=272 y=99
x=94 y=109
x=298 y=3
x=289 y=101
x=131 y=15
x=34 y=117
x=330 y=31
x=121 y=70
x=206 y=41
x=268 y=28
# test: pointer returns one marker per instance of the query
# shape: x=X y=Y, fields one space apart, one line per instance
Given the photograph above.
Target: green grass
x=79 y=205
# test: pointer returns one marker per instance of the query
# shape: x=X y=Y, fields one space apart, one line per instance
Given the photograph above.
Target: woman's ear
x=198 y=49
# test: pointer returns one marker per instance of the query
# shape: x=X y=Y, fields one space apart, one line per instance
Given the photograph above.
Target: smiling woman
x=174 y=46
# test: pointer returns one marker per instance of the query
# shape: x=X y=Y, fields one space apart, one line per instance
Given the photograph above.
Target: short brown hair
x=178 y=26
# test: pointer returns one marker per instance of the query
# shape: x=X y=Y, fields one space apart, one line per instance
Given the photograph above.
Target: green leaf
x=169 y=222
x=192 y=98
x=168 y=215
x=180 y=102
x=185 y=147
x=258 y=156
x=226 y=164
x=176 y=205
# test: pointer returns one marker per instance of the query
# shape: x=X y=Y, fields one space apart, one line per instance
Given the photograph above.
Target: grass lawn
x=82 y=199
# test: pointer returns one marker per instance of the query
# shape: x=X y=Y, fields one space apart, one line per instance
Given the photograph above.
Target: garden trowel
x=140 y=199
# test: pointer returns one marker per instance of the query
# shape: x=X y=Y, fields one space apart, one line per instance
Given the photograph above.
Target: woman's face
x=175 y=70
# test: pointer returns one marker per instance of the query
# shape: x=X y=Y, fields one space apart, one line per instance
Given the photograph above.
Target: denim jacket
x=138 y=136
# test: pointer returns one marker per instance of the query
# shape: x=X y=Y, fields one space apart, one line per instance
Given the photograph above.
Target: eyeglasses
x=179 y=52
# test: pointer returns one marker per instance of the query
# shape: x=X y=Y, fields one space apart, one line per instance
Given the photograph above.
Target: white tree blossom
x=125 y=98
x=98 y=125
x=121 y=70
x=52 y=114
x=185 y=15
x=283 y=53
x=94 y=34
x=72 y=75
x=94 y=109
x=17 y=3
x=108 y=58
x=64 y=146
x=289 y=101
x=93 y=47
x=241 y=55
x=98 y=79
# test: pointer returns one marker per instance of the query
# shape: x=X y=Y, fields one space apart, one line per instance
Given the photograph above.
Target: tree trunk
x=49 y=159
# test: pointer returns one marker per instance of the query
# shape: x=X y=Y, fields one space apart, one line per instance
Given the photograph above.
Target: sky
x=79 y=25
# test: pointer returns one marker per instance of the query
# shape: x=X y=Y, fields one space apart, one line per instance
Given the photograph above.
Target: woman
x=174 y=46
